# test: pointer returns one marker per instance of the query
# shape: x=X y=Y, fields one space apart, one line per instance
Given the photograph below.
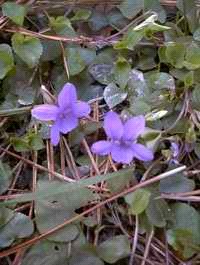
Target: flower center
x=122 y=142
x=62 y=115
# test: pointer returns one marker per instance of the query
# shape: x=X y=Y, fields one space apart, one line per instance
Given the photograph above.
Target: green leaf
x=114 y=249
x=116 y=19
x=103 y=73
x=197 y=149
x=138 y=201
x=150 y=26
x=58 y=208
x=189 y=79
x=137 y=84
x=122 y=181
x=155 y=6
x=130 y=8
x=14 y=11
x=196 y=98
x=29 y=49
x=161 y=80
x=181 y=241
x=139 y=106
x=196 y=34
x=181 y=212
x=51 y=213
x=157 y=211
x=5 y=175
x=121 y=72
x=130 y=40
x=75 y=61
x=35 y=142
x=62 y=26
x=84 y=257
x=189 y=10
x=192 y=57
x=6 y=215
x=20 y=144
x=6 y=60
x=177 y=183
x=46 y=252
x=81 y=14
x=113 y=95
x=175 y=54
x=20 y=226
x=98 y=20
x=183 y=234
x=51 y=50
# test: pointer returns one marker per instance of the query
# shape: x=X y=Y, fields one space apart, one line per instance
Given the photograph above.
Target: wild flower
x=64 y=113
x=122 y=139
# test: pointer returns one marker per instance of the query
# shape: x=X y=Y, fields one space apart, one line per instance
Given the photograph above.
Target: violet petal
x=55 y=134
x=67 y=124
x=133 y=128
x=81 y=109
x=45 y=112
x=113 y=125
x=101 y=147
x=142 y=153
x=67 y=96
x=121 y=153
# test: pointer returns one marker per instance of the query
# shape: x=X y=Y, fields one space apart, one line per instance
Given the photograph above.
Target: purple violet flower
x=122 y=139
x=64 y=114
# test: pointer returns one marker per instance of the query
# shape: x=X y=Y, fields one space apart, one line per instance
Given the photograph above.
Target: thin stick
x=147 y=248
x=91 y=157
x=135 y=240
x=73 y=163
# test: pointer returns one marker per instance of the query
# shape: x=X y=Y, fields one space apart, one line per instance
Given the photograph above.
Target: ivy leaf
x=121 y=72
x=186 y=225
x=157 y=210
x=177 y=183
x=14 y=11
x=175 y=54
x=114 y=249
x=113 y=95
x=161 y=81
x=130 y=8
x=103 y=73
x=130 y=39
x=84 y=257
x=138 y=201
x=81 y=14
x=35 y=142
x=98 y=20
x=6 y=215
x=46 y=252
x=192 y=57
x=6 y=60
x=56 y=209
x=155 y=6
x=5 y=174
x=49 y=214
x=29 y=49
x=62 y=26
x=20 y=226
x=75 y=61
x=137 y=84
x=20 y=144
x=196 y=98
